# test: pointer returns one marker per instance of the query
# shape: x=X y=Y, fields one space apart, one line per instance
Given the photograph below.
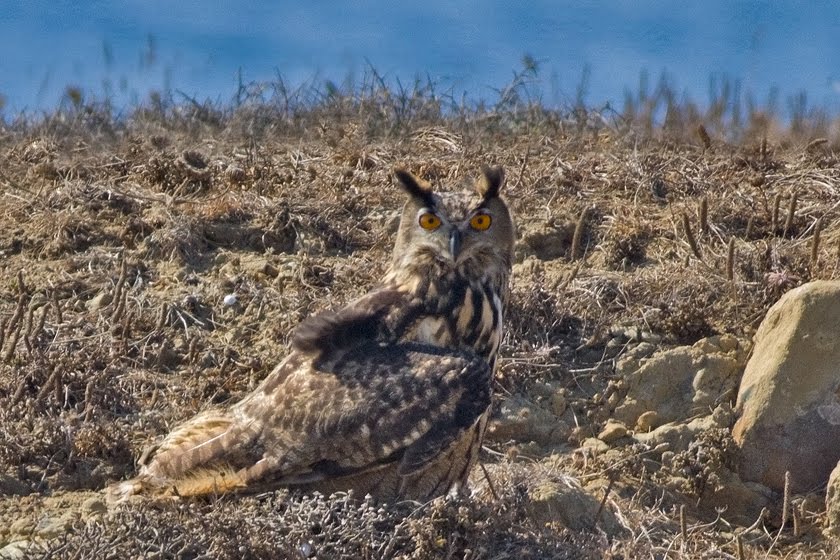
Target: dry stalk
x=797 y=529
x=21 y=283
x=59 y=318
x=604 y=500
x=785 y=502
x=41 y=321
x=730 y=260
x=785 y=512
x=125 y=326
x=815 y=244
x=27 y=329
x=704 y=215
x=89 y=400
x=578 y=234
x=524 y=165
x=119 y=303
x=790 y=215
x=52 y=381
x=749 y=229
x=162 y=315
x=739 y=546
x=20 y=389
x=3 y=324
x=683 y=527
x=837 y=256
x=774 y=222
x=492 y=486
x=14 y=329
x=692 y=241
x=17 y=315
x=569 y=279
x=192 y=352
x=704 y=136
x=59 y=387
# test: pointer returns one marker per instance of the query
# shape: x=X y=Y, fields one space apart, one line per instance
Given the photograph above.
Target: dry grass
x=127 y=234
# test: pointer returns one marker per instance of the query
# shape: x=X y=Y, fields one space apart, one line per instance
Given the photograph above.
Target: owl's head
x=480 y=235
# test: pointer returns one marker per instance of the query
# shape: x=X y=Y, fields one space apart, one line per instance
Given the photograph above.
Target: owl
x=388 y=396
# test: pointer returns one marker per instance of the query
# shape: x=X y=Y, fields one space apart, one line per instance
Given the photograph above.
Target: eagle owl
x=388 y=396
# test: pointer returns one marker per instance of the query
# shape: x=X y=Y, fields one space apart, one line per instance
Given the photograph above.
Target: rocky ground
x=155 y=265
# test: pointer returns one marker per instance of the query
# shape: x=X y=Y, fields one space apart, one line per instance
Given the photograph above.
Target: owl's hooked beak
x=455 y=243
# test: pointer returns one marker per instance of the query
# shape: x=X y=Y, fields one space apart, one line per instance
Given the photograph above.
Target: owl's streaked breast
x=474 y=321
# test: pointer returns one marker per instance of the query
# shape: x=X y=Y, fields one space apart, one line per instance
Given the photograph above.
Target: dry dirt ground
x=120 y=241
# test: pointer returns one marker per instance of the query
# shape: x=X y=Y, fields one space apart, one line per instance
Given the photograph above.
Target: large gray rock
x=788 y=405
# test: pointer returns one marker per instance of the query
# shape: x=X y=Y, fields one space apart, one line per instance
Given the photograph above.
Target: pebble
x=648 y=421
x=99 y=301
x=94 y=506
x=612 y=431
x=559 y=403
x=594 y=444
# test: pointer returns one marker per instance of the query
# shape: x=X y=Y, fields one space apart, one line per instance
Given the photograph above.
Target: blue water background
x=125 y=49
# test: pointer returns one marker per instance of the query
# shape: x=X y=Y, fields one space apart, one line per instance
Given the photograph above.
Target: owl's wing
x=380 y=315
x=377 y=404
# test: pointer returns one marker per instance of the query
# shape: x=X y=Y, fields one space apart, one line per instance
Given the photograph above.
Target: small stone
x=559 y=402
x=99 y=301
x=94 y=506
x=230 y=300
x=612 y=431
x=648 y=421
x=594 y=445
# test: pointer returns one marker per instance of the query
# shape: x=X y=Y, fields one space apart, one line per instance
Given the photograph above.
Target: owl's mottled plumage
x=388 y=396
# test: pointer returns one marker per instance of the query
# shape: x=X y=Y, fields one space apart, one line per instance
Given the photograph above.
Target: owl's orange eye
x=429 y=221
x=480 y=222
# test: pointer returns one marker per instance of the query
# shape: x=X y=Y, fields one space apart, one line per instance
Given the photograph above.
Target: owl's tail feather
x=198 y=457
x=215 y=479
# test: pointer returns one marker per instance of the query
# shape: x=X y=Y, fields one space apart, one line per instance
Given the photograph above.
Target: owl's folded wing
x=379 y=315
x=379 y=404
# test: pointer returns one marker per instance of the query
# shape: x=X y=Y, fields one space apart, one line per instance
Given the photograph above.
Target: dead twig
x=692 y=241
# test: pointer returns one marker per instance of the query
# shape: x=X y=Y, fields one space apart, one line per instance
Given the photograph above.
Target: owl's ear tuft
x=492 y=179
x=416 y=187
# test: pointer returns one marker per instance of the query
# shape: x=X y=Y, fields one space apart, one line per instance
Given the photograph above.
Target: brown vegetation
x=120 y=238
